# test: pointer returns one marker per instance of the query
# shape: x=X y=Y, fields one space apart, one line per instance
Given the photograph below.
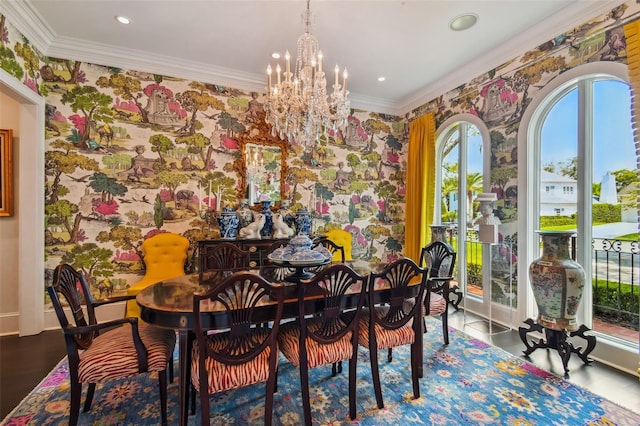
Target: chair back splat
x=331 y=334
x=439 y=258
x=110 y=350
x=245 y=354
x=397 y=323
x=226 y=257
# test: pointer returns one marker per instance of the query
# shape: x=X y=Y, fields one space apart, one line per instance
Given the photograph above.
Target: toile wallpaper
x=131 y=154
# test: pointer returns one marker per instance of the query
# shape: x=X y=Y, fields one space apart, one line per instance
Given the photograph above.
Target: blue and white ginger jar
x=267 y=229
x=228 y=223
x=303 y=221
x=244 y=213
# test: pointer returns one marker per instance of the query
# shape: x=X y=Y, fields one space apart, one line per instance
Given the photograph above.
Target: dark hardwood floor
x=24 y=361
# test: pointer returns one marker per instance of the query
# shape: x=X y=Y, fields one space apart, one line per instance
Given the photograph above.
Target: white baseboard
x=9 y=322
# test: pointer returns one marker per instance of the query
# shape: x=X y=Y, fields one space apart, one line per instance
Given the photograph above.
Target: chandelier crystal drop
x=297 y=105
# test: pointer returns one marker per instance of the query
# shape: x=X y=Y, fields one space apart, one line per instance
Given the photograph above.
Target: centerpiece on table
x=299 y=252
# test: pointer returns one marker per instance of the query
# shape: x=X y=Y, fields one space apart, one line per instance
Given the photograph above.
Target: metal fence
x=615 y=280
x=616 y=286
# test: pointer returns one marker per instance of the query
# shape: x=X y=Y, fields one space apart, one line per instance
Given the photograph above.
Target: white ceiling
x=229 y=42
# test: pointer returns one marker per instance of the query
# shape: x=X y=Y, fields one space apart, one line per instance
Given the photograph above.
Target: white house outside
x=558 y=195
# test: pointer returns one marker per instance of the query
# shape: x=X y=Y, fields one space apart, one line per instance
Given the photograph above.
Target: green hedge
x=607 y=213
x=601 y=213
x=550 y=221
x=615 y=304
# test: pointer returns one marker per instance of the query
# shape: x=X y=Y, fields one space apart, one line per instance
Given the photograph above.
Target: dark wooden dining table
x=169 y=304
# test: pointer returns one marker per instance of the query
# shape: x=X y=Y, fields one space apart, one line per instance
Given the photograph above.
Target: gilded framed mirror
x=262 y=165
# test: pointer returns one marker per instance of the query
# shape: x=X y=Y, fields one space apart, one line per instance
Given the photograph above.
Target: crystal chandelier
x=297 y=105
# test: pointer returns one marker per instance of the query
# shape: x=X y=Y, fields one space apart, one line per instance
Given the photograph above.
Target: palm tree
x=449 y=185
x=474 y=184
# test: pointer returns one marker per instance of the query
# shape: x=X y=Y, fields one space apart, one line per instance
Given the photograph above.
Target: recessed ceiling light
x=123 y=20
x=275 y=55
x=463 y=22
x=382 y=78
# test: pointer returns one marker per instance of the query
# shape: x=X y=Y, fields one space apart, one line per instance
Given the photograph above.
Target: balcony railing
x=615 y=281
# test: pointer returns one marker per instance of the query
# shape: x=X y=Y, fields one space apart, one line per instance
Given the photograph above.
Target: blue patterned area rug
x=466 y=382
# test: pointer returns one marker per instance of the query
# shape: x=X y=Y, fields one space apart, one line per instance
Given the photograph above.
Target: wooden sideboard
x=254 y=246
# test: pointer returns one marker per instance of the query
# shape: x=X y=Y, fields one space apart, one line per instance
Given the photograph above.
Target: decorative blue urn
x=267 y=229
x=303 y=221
x=228 y=222
x=244 y=213
x=286 y=214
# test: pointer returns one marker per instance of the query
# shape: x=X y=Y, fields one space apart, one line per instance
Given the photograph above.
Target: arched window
x=581 y=164
x=463 y=157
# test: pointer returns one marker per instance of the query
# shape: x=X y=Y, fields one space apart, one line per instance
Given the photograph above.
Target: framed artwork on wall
x=6 y=172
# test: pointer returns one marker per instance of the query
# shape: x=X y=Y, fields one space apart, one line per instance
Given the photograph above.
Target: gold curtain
x=421 y=174
x=632 y=33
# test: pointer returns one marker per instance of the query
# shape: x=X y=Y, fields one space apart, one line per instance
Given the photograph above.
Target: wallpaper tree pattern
x=131 y=154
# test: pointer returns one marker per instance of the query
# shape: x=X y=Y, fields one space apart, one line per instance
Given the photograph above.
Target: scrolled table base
x=557 y=339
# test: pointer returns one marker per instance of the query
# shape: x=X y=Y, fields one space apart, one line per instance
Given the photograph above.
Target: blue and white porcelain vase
x=244 y=213
x=228 y=223
x=303 y=221
x=267 y=229
x=286 y=213
x=557 y=282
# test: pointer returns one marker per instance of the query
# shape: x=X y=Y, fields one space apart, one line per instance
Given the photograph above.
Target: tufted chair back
x=341 y=238
x=164 y=256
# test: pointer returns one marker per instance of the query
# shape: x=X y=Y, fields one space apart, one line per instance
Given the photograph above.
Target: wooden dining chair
x=329 y=335
x=226 y=258
x=338 y=255
x=245 y=354
x=439 y=259
x=110 y=350
x=396 y=323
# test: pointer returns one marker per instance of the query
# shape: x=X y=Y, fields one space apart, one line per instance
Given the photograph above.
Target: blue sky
x=613 y=138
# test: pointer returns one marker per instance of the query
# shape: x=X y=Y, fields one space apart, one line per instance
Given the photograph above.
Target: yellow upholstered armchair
x=164 y=256
x=341 y=238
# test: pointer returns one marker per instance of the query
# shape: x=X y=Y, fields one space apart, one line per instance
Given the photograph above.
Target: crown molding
x=104 y=54
x=577 y=13
x=373 y=104
x=29 y=22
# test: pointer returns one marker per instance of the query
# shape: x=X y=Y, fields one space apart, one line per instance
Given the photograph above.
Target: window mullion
x=585 y=192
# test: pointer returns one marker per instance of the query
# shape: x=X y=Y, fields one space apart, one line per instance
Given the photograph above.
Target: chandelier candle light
x=297 y=105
